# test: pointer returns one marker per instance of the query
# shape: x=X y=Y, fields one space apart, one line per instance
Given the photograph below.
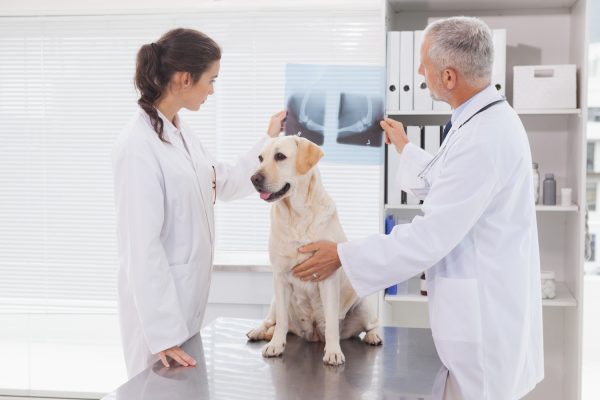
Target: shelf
x=478 y=5
x=539 y=208
x=418 y=113
x=415 y=207
x=562 y=111
x=563 y=298
x=540 y=111
x=572 y=208
x=411 y=295
x=420 y=118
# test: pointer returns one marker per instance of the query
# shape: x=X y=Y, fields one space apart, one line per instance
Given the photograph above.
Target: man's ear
x=307 y=156
x=449 y=78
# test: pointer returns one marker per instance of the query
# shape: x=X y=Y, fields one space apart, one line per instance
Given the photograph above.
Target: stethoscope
x=444 y=148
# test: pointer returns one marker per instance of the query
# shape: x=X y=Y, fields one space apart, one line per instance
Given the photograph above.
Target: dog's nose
x=257 y=179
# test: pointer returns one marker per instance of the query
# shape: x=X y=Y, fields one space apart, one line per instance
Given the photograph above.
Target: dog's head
x=284 y=161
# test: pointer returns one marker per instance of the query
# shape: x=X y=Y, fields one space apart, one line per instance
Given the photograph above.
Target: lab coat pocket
x=184 y=277
x=457 y=311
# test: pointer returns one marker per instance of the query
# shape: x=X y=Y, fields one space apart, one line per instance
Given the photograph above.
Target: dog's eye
x=280 y=157
x=260 y=158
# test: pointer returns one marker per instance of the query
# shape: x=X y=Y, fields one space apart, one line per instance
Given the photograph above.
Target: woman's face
x=197 y=93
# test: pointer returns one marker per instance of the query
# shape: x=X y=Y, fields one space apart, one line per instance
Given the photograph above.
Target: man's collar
x=474 y=104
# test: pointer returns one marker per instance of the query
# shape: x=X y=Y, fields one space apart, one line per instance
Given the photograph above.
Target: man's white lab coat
x=478 y=242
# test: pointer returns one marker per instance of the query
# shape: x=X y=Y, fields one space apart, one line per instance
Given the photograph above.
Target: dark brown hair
x=185 y=50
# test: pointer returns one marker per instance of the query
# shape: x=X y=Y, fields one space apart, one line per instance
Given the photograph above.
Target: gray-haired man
x=478 y=236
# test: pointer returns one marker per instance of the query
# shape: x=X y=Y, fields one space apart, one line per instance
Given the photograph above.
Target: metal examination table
x=229 y=367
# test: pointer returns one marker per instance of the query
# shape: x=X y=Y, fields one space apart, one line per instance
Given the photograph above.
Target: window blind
x=66 y=91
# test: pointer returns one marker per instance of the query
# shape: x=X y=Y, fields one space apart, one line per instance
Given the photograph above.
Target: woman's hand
x=177 y=354
x=394 y=133
x=324 y=262
x=276 y=124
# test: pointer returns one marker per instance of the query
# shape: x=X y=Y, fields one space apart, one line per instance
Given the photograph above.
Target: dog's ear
x=307 y=156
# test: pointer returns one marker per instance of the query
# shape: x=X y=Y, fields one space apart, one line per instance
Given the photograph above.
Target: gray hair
x=464 y=44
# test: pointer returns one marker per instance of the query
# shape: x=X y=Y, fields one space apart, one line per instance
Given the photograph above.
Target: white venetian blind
x=66 y=90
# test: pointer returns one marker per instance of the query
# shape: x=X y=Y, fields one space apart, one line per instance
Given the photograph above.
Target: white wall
x=594 y=75
x=83 y=7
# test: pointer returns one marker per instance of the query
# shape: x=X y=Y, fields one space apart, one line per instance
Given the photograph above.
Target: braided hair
x=178 y=50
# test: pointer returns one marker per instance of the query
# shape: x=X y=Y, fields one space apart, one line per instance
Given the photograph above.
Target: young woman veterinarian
x=165 y=187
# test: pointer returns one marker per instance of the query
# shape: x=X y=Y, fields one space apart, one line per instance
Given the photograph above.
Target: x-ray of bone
x=338 y=108
x=358 y=119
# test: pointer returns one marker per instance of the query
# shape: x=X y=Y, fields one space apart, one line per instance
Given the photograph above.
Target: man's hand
x=324 y=262
x=177 y=354
x=394 y=133
x=276 y=124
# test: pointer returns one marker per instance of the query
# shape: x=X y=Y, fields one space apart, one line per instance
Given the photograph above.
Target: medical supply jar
x=548 y=285
x=549 y=190
x=536 y=183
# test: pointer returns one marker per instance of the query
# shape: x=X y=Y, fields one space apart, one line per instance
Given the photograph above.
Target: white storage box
x=544 y=87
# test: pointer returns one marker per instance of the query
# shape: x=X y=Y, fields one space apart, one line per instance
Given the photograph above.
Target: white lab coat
x=478 y=242
x=165 y=231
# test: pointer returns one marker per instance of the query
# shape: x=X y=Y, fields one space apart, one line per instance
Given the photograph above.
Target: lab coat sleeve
x=456 y=200
x=413 y=160
x=139 y=195
x=233 y=181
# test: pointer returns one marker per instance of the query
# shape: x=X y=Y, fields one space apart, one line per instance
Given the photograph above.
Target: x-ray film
x=338 y=108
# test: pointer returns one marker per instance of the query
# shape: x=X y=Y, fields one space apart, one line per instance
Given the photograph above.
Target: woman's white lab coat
x=478 y=242
x=165 y=231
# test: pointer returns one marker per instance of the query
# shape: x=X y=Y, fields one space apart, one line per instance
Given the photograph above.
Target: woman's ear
x=181 y=80
x=186 y=79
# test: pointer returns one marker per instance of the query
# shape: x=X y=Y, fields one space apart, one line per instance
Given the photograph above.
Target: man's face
x=433 y=76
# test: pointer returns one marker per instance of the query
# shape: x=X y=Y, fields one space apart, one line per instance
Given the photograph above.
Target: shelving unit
x=558 y=141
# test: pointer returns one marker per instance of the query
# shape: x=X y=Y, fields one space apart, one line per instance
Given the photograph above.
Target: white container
x=544 y=87
x=565 y=197
x=548 y=285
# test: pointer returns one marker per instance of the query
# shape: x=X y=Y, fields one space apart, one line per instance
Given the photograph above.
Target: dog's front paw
x=259 y=333
x=273 y=349
x=334 y=357
x=372 y=337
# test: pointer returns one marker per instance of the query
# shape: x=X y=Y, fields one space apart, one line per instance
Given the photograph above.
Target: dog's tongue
x=265 y=195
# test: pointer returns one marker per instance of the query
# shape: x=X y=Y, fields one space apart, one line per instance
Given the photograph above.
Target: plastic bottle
x=536 y=183
x=549 y=190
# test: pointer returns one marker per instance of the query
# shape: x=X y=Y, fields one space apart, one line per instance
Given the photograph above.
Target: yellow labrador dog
x=302 y=213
